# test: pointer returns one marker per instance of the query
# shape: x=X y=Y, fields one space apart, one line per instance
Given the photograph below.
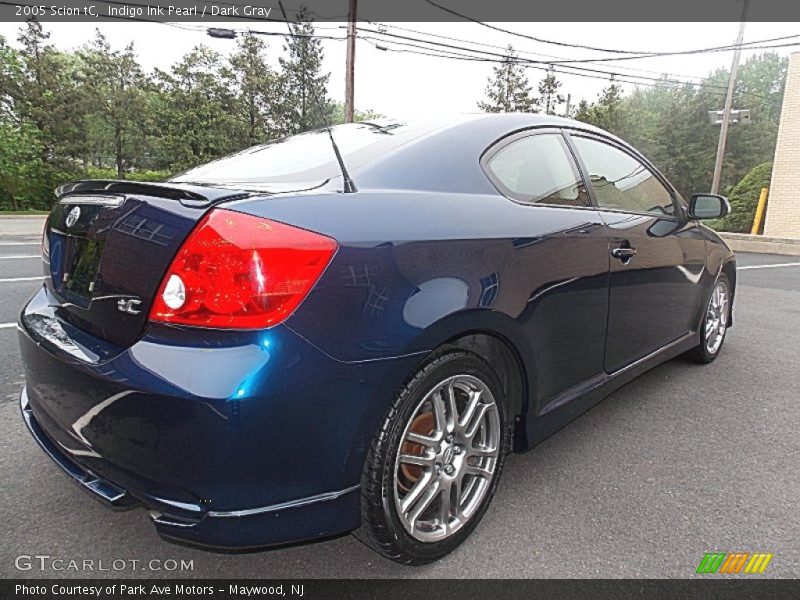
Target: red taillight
x=240 y=271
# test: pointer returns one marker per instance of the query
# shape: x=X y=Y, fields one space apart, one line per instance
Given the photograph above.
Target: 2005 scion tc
x=351 y=328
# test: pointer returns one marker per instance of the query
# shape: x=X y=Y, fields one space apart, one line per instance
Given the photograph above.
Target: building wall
x=783 y=206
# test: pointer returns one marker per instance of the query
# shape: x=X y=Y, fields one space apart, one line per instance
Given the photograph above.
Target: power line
x=494 y=54
x=522 y=35
x=457 y=51
x=744 y=46
x=521 y=51
x=642 y=53
x=620 y=78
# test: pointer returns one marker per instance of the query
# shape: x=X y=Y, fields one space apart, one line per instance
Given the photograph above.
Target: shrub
x=744 y=200
x=107 y=173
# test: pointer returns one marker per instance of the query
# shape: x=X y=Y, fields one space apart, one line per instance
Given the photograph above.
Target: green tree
x=258 y=93
x=608 y=113
x=10 y=80
x=197 y=109
x=42 y=95
x=304 y=85
x=113 y=91
x=337 y=114
x=583 y=112
x=549 y=97
x=759 y=88
x=507 y=89
x=21 y=165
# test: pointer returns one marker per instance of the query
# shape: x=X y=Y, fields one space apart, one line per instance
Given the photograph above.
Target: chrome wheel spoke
x=439 y=414
x=478 y=471
x=709 y=327
x=416 y=459
x=471 y=428
x=424 y=440
x=449 y=395
x=456 y=492
x=445 y=508
x=432 y=490
x=481 y=451
x=469 y=410
x=419 y=489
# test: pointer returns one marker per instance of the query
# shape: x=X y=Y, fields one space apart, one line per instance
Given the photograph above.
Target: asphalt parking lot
x=684 y=460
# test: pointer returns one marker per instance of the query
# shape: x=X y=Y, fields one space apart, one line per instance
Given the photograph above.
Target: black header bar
x=530 y=11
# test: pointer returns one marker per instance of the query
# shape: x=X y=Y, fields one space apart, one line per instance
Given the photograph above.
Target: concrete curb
x=762 y=244
x=32 y=225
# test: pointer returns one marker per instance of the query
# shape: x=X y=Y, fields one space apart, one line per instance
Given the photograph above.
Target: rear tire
x=435 y=463
x=715 y=323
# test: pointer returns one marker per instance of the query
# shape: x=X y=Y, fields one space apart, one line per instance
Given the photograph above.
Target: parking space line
x=7 y=325
x=20 y=256
x=794 y=264
x=13 y=279
x=19 y=243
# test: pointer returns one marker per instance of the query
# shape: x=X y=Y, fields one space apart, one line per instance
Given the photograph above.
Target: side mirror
x=708 y=206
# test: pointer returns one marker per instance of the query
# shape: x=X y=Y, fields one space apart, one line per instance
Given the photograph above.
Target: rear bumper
x=293 y=520
x=230 y=441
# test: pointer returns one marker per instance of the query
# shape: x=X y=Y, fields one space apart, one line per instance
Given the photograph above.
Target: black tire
x=382 y=528
x=700 y=353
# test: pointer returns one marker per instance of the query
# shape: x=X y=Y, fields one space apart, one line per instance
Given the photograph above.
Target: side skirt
x=574 y=402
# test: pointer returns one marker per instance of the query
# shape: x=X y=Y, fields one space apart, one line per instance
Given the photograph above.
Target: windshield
x=305 y=160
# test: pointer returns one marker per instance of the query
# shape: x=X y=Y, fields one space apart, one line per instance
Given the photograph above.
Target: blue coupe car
x=350 y=329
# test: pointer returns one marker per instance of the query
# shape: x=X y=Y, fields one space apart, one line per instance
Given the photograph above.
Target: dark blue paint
x=199 y=425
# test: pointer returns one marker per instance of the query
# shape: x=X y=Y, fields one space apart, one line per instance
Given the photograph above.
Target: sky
x=403 y=85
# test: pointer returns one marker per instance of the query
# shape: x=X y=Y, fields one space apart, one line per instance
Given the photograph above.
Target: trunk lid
x=108 y=245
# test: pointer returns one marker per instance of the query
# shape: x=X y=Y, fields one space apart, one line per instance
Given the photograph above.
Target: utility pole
x=349 y=82
x=566 y=108
x=726 y=113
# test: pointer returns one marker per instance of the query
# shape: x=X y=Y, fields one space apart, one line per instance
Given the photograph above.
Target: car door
x=656 y=256
x=562 y=267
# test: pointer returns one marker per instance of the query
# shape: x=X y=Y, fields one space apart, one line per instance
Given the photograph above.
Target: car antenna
x=349 y=185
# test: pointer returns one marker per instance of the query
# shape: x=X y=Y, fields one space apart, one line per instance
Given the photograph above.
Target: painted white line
x=795 y=264
x=13 y=279
x=7 y=325
x=19 y=243
x=20 y=256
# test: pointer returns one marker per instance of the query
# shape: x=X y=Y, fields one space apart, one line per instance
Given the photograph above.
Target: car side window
x=622 y=182
x=538 y=169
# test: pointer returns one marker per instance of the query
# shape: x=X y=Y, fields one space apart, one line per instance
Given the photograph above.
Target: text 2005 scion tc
x=351 y=328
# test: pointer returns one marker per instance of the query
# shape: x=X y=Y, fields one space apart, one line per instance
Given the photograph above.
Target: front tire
x=715 y=323
x=434 y=465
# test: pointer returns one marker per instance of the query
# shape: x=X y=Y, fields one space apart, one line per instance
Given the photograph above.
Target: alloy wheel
x=447 y=458
x=716 y=317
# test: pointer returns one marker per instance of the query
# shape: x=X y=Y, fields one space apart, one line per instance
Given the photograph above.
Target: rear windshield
x=307 y=159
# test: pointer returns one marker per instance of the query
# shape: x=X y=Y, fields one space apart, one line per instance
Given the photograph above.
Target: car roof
x=446 y=155
x=499 y=123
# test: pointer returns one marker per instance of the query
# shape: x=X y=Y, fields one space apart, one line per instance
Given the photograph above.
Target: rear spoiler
x=189 y=195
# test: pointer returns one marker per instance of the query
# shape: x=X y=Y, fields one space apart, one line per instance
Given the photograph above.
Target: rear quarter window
x=538 y=169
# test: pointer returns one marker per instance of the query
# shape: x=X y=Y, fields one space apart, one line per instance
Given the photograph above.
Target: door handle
x=624 y=254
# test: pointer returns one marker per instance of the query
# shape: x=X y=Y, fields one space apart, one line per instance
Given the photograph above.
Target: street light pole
x=349 y=83
x=726 y=113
